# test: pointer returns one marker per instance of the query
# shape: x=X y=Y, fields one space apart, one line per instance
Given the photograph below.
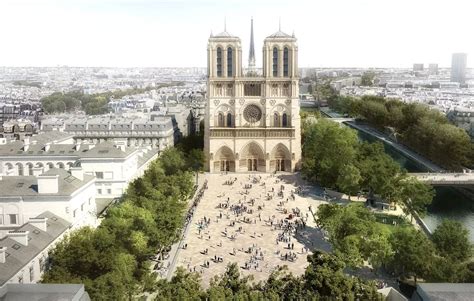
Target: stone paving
x=236 y=222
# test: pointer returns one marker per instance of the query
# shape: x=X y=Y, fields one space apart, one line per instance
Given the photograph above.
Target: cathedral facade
x=252 y=118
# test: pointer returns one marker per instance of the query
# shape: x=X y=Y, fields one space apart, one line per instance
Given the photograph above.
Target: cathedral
x=252 y=118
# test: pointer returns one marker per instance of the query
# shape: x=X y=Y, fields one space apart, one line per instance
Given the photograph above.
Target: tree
x=324 y=279
x=413 y=253
x=349 y=179
x=321 y=162
x=377 y=169
x=451 y=239
x=415 y=195
x=183 y=286
x=367 y=78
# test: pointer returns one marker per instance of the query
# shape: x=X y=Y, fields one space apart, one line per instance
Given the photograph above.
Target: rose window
x=252 y=113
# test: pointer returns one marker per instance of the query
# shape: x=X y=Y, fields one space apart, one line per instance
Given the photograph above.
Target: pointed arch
x=252 y=157
x=229 y=120
x=220 y=119
x=285 y=61
x=284 y=120
x=230 y=60
x=275 y=62
x=280 y=158
x=219 y=61
x=224 y=159
x=276 y=119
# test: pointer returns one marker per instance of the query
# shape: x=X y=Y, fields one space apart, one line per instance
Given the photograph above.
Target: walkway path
x=404 y=150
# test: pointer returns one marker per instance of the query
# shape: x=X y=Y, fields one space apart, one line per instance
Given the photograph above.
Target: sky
x=174 y=33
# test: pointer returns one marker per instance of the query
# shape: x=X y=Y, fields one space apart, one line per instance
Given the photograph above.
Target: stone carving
x=241 y=101
x=262 y=102
x=272 y=102
x=216 y=102
x=232 y=102
x=288 y=102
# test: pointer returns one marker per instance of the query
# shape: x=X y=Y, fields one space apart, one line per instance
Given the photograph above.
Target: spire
x=279 y=24
x=252 y=48
x=225 y=24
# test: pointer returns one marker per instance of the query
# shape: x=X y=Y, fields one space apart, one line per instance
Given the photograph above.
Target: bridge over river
x=446 y=179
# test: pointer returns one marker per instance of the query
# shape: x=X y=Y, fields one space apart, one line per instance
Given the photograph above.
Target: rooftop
x=18 y=255
x=18 y=186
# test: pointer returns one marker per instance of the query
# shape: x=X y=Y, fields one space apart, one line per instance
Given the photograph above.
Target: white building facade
x=252 y=118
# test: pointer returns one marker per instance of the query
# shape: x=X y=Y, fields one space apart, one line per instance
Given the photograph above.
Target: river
x=449 y=202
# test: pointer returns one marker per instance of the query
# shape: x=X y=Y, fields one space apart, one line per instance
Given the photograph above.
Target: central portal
x=252 y=158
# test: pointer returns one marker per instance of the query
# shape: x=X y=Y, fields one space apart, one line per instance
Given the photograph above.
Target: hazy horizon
x=173 y=34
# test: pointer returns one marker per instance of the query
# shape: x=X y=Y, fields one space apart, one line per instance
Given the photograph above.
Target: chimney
x=3 y=256
x=47 y=146
x=39 y=222
x=48 y=183
x=37 y=171
x=20 y=237
x=77 y=172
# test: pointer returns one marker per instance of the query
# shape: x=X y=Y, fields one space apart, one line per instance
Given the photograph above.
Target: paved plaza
x=259 y=221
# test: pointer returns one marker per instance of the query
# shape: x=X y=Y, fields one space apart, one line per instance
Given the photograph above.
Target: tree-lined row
x=92 y=104
x=425 y=130
x=324 y=279
x=404 y=251
x=113 y=261
x=334 y=158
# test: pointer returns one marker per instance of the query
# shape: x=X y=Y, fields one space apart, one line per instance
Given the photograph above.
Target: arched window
x=20 y=169
x=219 y=61
x=285 y=61
x=30 y=169
x=229 y=62
x=50 y=165
x=284 y=120
x=220 y=120
x=276 y=120
x=229 y=120
x=275 y=62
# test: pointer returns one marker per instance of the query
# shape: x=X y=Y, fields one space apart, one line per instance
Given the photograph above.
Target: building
x=433 y=69
x=159 y=131
x=458 y=67
x=463 y=118
x=24 y=251
x=38 y=292
x=252 y=120
x=69 y=195
x=443 y=291
x=112 y=163
x=418 y=67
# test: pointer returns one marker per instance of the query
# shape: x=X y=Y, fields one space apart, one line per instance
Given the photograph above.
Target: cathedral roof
x=279 y=34
x=224 y=34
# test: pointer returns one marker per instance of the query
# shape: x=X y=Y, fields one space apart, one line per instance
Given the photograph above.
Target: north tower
x=252 y=118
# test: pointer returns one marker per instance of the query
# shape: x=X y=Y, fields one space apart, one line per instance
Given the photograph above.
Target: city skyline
x=148 y=33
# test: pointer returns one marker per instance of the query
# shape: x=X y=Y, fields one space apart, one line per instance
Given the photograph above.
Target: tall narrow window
x=275 y=62
x=219 y=61
x=285 y=61
x=220 y=120
x=229 y=62
x=229 y=120
x=276 y=120
x=284 y=120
